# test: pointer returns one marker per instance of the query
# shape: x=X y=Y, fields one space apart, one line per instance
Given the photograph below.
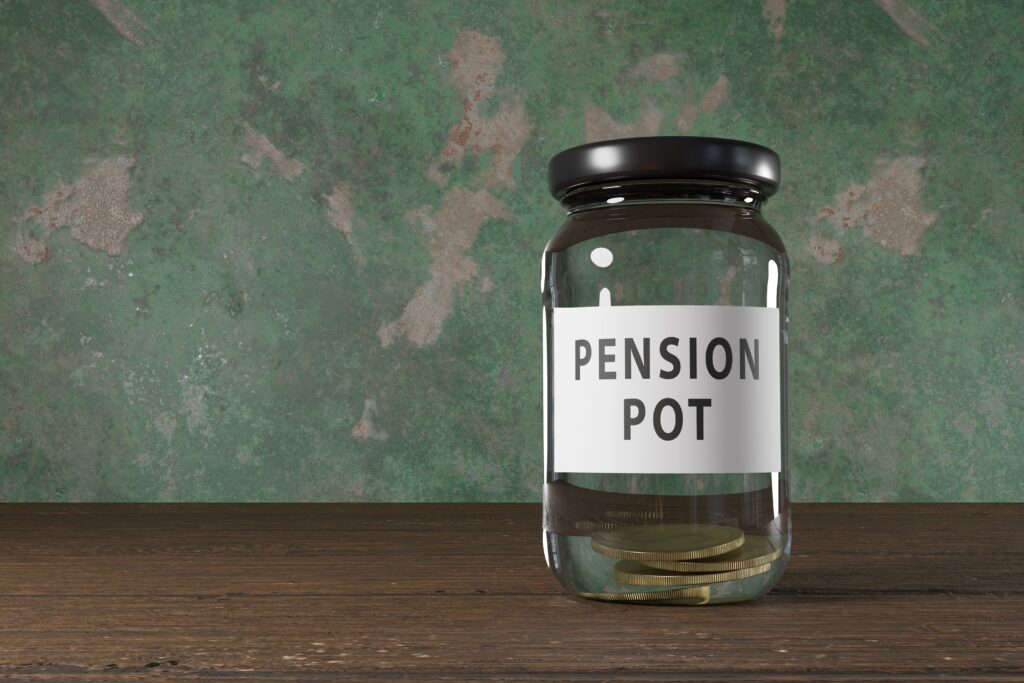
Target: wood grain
x=460 y=592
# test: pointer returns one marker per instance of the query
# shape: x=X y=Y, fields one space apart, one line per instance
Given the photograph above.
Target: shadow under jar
x=665 y=295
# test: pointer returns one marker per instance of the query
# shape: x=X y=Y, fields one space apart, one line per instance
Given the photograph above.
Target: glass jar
x=665 y=414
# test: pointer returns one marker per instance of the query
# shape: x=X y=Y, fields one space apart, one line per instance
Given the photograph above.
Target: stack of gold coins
x=684 y=559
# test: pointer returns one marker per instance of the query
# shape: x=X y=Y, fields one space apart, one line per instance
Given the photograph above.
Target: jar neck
x=739 y=195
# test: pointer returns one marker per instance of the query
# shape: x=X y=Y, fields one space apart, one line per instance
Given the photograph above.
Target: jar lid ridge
x=665 y=157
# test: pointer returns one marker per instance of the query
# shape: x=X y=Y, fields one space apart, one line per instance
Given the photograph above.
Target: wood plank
x=343 y=549
x=540 y=634
x=270 y=516
x=422 y=573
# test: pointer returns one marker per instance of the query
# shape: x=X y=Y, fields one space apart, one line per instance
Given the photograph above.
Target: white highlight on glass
x=602 y=257
x=776 y=495
x=748 y=200
x=764 y=169
x=604 y=157
x=773 y=302
x=614 y=200
x=772 y=298
x=773 y=285
x=605 y=297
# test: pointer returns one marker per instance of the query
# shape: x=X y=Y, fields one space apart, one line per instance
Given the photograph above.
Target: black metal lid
x=670 y=157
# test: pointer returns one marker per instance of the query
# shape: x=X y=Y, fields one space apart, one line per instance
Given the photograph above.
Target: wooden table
x=460 y=592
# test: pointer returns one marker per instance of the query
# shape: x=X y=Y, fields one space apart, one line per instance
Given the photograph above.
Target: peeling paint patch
x=364 y=429
x=477 y=61
x=985 y=213
x=824 y=249
x=907 y=18
x=710 y=101
x=452 y=229
x=122 y=19
x=262 y=147
x=775 y=12
x=30 y=249
x=659 y=67
x=888 y=205
x=715 y=95
x=95 y=206
x=339 y=210
x=687 y=117
x=272 y=86
x=599 y=125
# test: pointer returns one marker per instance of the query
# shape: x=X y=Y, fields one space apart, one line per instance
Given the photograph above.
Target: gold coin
x=667 y=541
x=635 y=514
x=589 y=525
x=636 y=574
x=681 y=596
x=755 y=551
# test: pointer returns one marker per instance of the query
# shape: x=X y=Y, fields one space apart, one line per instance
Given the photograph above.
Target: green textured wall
x=290 y=251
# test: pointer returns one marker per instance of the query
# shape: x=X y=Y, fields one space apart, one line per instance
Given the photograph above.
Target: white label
x=667 y=389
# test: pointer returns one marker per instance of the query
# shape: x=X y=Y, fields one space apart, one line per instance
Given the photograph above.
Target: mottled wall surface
x=290 y=251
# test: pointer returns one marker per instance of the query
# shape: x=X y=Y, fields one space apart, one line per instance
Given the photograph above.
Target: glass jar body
x=655 y=249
